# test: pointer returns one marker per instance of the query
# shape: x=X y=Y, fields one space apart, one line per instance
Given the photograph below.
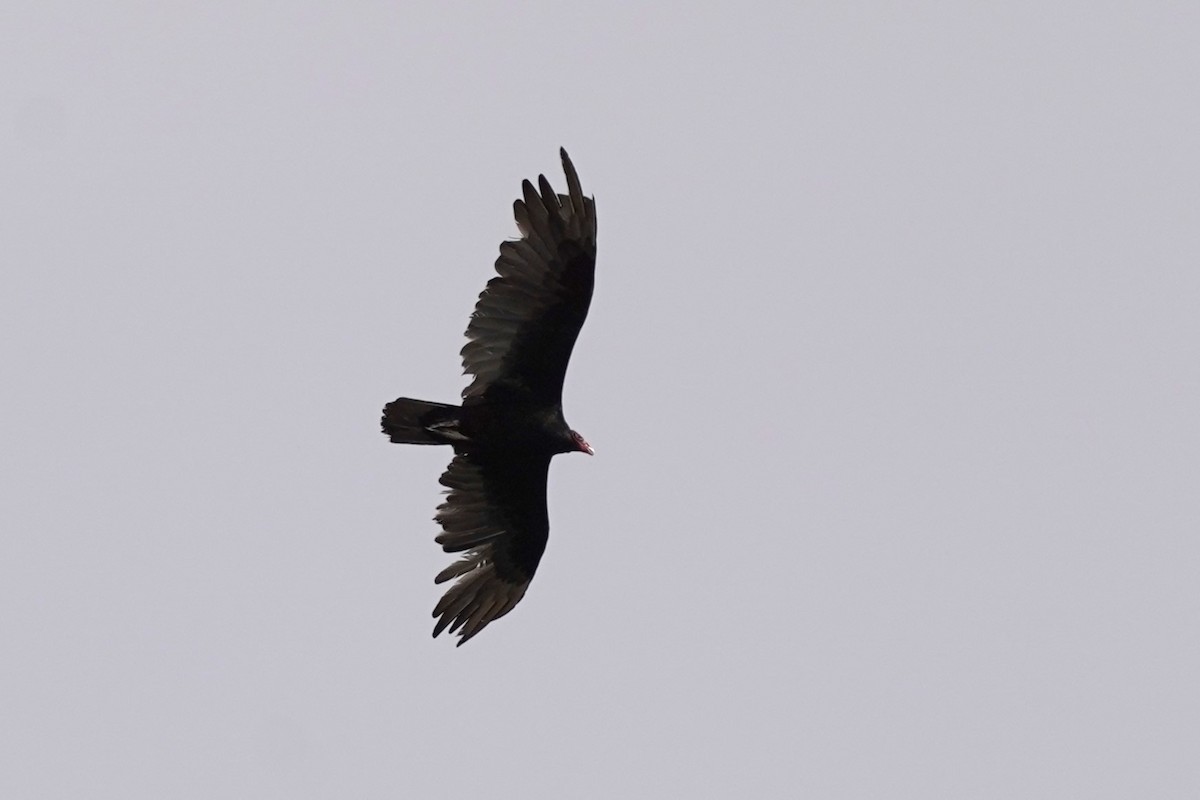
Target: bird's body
x=510 y=423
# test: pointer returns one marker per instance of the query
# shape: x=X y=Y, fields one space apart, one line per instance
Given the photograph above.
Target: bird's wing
x=496 y=512
x=526 y=320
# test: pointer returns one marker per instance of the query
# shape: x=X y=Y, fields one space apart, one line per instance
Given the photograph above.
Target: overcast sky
x=892 y=371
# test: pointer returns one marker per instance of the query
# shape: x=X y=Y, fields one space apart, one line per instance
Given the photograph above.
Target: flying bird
x=510 y=423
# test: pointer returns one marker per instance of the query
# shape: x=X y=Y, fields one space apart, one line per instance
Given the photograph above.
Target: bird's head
x=581 y=444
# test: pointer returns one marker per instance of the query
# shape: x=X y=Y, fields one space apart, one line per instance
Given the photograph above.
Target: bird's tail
x=408 y=421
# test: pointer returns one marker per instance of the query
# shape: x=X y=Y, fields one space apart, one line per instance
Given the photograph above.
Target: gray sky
x=892 y=373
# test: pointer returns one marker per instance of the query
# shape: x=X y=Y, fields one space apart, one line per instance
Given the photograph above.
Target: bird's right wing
x=527 y=319
x=496 y=512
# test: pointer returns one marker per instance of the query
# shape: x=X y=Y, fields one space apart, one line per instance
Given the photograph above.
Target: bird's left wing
x=495 y=511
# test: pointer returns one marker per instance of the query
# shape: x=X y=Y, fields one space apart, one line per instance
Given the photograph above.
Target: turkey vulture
x=510 y=423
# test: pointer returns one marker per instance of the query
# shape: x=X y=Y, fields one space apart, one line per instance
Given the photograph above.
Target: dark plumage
x=510 y=423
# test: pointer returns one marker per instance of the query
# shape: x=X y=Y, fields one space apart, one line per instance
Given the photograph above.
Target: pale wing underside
x=527 y=319
x=495 y=511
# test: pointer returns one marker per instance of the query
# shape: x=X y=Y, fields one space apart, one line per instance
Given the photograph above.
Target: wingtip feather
x=574 y=187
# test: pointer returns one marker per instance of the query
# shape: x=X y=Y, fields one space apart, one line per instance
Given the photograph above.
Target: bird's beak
x=586 y=448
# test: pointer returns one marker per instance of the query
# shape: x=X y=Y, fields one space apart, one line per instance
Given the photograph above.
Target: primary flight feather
x=510 y=423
